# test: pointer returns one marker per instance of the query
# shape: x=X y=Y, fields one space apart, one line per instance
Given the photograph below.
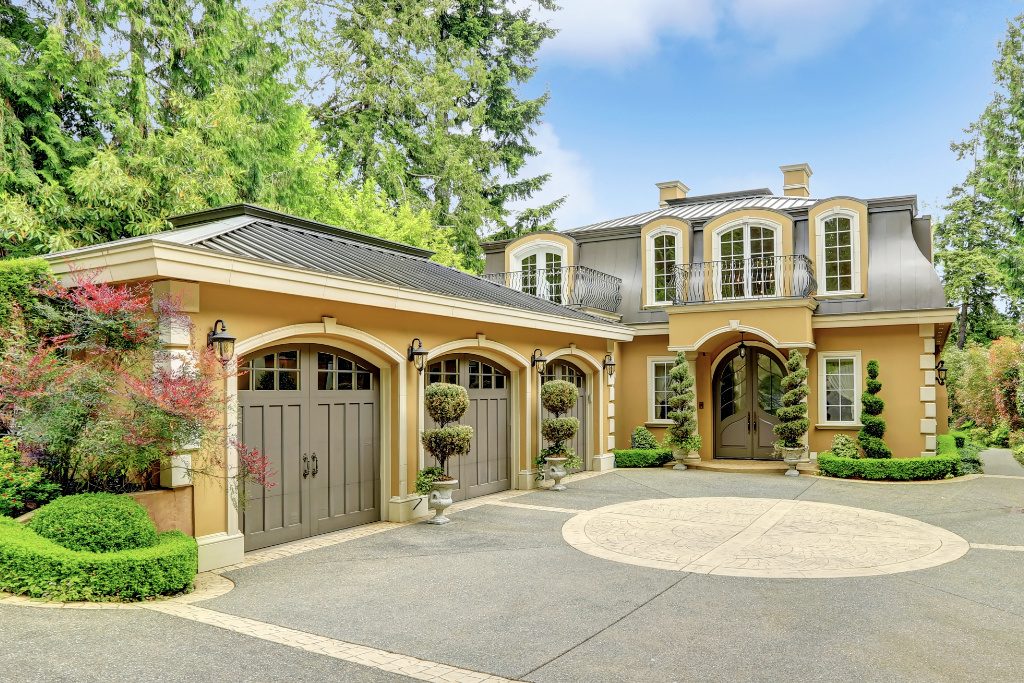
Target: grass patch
x=642 y=457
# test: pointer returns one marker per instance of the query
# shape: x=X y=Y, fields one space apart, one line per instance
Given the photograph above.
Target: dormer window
x=540 y=266
x=838 y=253
x=664 y=248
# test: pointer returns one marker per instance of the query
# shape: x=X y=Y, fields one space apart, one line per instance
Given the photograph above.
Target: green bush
x=95 y=522
x=1018 y=454
x=447 y=442
x=682 y=404
x=37 y=567
x=1016 y=438
x=1000 y=436
x=19 y=281
x=642 y=438
x=559 y=396
x=793 y=422
x=445 y=403
x=844 y=447
x=558 y=430
x=426 y=477
x=21 y=488
x=870 y=435
x=890 y=469
x=642 y=457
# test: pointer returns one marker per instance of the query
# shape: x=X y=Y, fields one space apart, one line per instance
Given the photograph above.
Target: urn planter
x=681 y=455
x=792 y=457
x=440 y=499
x=556 y=470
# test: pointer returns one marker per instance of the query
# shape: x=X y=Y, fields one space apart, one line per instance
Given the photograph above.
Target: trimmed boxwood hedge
x=98 y=522
x=894 y=469
x=642 y=457
x=37 y=567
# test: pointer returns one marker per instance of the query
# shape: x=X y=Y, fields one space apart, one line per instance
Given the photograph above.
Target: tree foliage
x=793 y=422
x=682 y=404
x=870 y=436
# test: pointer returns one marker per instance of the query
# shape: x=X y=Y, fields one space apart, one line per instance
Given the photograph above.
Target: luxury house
x=340 y=332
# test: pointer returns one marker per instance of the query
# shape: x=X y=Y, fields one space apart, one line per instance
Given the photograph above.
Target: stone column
x=929 y=425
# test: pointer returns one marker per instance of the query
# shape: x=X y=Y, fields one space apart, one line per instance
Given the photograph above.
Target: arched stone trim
x=517 y=248
x=594 y=371
x=759 y=344
x=857 y=211
x=519 y=373
x=782 y=222
x=388 y=361
x=725 y=329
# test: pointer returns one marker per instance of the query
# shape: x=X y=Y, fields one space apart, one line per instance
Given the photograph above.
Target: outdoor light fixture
x=537 y=360
x=417 y=354
x=609 y=364
x=743 y=347
x=220 y=341
x=940 y=373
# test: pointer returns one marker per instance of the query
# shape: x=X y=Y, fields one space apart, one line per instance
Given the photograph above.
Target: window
x=484 y=376
x=337 y=373
x=839 y=377
x=838 y=253
x=745 y=256
x=539 y=266
x=664 y=253
x=446 y=371
x=659 y=388
x=553 y=277
x=270 y=372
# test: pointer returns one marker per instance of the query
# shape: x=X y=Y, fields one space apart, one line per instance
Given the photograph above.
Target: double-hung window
x=664 y=249
x=839 y=379
x=659 y=388
x=839 y=254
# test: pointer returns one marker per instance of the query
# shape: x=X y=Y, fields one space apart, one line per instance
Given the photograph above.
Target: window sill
x=838 y=425
x=656 y=306
x=839 y=295
x=658 y=423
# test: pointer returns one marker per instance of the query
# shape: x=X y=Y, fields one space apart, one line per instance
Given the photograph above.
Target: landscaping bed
x=642 y=457
x=890 y=469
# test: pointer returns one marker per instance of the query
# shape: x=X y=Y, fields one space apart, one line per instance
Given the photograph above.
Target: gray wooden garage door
x=486 y=469
x=565 y=370
x=314 y=411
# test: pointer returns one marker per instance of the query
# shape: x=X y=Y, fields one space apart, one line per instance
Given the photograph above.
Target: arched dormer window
x=744 y=259
x=664 y=252
x=838 y=257
x=540 y=265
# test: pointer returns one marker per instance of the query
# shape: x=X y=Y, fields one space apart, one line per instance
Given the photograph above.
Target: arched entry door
x=486 y=469
x=563 y=369
x=748 y=392
x=314 y=411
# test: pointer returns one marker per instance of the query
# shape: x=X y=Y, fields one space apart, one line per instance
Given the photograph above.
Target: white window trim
x=857 y=382
x=819 y=256
x=651 y=360
x=649 y=260
x=716 y=250
x=538 y=247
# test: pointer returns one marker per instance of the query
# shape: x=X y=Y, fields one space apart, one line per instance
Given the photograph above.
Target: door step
x=751 y=466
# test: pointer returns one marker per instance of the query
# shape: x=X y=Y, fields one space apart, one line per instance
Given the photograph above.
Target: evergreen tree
x=792 y=414
x=870 y=435
x=682 y=403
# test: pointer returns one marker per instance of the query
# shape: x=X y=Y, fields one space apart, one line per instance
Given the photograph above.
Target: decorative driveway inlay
x=761 y=537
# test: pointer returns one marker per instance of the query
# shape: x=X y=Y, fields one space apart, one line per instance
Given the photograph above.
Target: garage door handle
x=305 y=465
x=316 y=465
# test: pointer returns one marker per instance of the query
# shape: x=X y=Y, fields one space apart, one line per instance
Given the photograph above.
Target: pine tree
x=870 y=435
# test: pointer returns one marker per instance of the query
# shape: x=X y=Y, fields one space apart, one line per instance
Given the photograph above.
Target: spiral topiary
x=446 y=403
x=870 y=435
x=558 y=397
x=682 y=404
x=792 y=414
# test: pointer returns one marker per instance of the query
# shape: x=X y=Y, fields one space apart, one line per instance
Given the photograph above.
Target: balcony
x=764 y=277
x=576 y=286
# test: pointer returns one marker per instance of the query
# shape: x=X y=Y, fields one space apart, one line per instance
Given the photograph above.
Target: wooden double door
x=747 y=389
x=314 y=412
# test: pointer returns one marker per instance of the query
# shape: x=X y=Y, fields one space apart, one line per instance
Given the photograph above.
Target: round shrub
x=844 y=447
x=39 y=568
x=642 y=438
x=446 y=442
x=559 y=396
x=558 y=430
x=95 y=522
x=446 y=403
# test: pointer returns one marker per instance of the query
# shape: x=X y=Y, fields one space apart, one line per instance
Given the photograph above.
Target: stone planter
x=792 y=457
x=440 y=499
x=556 y=471
x=681 y=457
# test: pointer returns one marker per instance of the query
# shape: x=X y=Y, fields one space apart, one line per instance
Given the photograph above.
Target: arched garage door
x=564 y=370
x=314 y=412
x=486 y=469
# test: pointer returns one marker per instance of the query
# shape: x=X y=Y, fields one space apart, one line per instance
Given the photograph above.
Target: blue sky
x=719 y=93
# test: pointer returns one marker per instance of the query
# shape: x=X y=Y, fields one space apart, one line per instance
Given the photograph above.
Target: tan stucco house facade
x=325 y=319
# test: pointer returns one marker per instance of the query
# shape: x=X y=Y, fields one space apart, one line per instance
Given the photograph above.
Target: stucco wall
x=631 y=398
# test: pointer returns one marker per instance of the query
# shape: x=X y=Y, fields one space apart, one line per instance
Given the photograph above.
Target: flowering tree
x=100 y=406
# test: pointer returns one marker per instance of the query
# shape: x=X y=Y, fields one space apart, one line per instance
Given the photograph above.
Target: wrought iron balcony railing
x=576 y=286
x=763 y=277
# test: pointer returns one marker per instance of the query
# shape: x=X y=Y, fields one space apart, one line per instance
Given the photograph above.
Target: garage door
x=486 y=469
x=314 y=411
x=564 y=370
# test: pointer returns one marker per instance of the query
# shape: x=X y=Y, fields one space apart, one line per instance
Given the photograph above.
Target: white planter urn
x=440 y=499
x=556 y=470
x=792 y=457
x=681 y=457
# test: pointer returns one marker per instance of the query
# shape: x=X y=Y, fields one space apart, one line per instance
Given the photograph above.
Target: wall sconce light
x=940 y=373
x=609 y=365
x=537 y=360
x=417 y=354
x=221 y=342
x=743 y=347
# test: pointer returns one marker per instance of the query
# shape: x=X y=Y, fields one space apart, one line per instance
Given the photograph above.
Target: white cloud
x=570 y=177
x=612 y=33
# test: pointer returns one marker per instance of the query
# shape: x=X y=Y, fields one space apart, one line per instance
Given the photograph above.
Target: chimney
x=796 y=180
x=671 y=189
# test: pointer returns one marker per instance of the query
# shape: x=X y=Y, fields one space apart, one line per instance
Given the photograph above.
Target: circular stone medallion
x=761 y=537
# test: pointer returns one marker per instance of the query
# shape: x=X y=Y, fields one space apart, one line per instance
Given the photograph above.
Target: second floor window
x=838 y=262
x=542 y=275
x=664 y=264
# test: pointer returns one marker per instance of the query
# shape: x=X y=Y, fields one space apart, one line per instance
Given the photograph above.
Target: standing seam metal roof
x=703 y=210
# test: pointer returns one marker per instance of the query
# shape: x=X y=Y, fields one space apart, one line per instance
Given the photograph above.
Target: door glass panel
x=732 y=388
x=288 y=380
x=446 y=371
x=762 y=261
x=288 y=360
x=553 y=266
x=529 y=268
x=733 y=251
x=270 y=371
x=769 y=384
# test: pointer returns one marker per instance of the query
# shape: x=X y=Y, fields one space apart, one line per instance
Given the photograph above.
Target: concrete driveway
x=501 y=594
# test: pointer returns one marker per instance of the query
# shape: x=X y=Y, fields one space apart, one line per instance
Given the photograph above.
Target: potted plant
x=682 y=403
x=445 y=403
x=793 y=414
x=558 y=397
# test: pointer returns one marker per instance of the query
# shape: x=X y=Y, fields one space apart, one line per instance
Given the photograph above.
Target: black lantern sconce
x=221 y=342
x=537 y=360
x=609 y=365
x=743 y=347
x=940 y=373
x=417 y=354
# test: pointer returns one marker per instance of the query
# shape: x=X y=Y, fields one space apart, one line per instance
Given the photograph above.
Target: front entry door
x=748 y=392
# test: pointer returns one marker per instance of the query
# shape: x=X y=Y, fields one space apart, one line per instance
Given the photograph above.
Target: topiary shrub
x=682 y=404
x=890 y=469
x=558 y=397
x=95 y=522
x=446 y=403
x=642 y=438
x=844 y=447
x=39 y=568
x=870 y=435
x=642 y=457
x=792 y=414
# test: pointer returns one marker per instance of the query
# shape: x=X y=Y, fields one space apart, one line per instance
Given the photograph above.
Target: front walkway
x=1000 y=462
x=501 y=594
